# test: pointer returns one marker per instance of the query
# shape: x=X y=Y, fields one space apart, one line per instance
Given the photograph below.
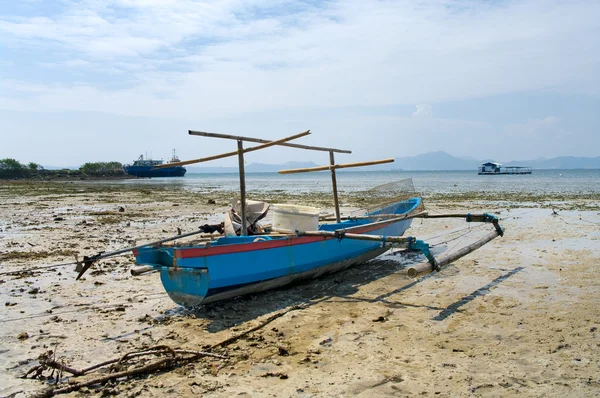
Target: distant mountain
x=467 y=158
x=444 y=161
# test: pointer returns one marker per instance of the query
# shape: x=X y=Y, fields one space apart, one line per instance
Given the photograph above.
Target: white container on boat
x=295 y=218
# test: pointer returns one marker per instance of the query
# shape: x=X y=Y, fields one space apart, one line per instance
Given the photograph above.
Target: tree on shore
x=102 y=168
x=12 y=168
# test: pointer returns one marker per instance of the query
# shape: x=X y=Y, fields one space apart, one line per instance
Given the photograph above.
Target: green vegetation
x=102 y=168
x=13 y=169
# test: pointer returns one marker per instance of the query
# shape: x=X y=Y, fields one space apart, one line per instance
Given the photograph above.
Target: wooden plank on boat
x=234 y=153
x=446 y=259
x=337 y=166
x=259 y=140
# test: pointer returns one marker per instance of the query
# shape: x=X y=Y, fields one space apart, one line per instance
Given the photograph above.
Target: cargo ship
x=147 y=168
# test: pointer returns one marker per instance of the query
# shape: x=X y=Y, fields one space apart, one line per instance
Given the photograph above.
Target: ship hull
x=148 y=172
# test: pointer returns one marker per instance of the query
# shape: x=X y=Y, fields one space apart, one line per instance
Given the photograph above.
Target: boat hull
x=235 y=266
x=148 y=172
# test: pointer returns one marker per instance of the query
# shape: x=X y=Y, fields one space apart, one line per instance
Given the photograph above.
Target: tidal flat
x=520 y=316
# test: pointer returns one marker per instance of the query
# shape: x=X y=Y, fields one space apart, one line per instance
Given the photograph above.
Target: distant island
x=434 y=161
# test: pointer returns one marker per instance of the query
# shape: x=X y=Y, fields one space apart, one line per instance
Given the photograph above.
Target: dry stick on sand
x=176 y=356
x=165 y=363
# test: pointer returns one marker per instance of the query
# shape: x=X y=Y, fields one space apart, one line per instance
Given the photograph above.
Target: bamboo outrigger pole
x=86 y=263
x=446 y=259
x=411 y=243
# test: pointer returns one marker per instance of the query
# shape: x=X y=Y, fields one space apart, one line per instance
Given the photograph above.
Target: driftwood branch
x=177 y=357
x=163 y=363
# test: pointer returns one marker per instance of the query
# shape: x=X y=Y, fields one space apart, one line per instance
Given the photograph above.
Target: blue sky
x=111 y=79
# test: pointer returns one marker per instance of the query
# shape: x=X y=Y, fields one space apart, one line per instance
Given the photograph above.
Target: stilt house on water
x=497 y=168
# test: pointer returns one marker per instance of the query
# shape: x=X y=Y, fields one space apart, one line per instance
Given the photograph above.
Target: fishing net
x=382 y=196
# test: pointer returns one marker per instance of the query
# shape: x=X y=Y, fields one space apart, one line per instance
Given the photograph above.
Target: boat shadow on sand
x=351 y=285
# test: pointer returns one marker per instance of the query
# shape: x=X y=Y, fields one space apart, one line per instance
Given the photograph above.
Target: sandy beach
x=520 y=316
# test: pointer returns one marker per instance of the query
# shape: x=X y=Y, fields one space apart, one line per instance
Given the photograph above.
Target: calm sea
x=586 y=182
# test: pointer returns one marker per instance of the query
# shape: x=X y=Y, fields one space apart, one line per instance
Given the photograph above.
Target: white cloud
x=423 y=111
x=227 y=57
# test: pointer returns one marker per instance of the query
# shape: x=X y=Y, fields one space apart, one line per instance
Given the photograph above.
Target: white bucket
x=295 y=218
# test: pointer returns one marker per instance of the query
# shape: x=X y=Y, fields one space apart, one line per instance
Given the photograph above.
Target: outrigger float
x=247 y=258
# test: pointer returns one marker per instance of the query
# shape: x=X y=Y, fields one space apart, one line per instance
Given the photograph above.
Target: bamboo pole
x=233 y=153
x=86 y=264
x=337 y=166
x=349 y=218
x=471 y=217
x=365 y=217
x=334 y=184
x=136 y=271
x=394 y=218
x=250 y=139
x=446 y=259
x=242 y=171
x=401 y=217
x=348 y=235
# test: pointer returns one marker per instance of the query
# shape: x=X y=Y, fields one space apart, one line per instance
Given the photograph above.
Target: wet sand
x=520 y=316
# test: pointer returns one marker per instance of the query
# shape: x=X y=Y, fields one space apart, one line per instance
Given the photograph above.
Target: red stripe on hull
x=261 y=245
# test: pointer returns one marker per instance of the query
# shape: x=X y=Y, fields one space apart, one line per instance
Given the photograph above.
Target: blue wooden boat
x=237 y=265
x=247 y=260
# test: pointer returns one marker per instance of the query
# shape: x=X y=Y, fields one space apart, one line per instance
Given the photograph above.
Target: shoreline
x=67 y=177
x=517 y=317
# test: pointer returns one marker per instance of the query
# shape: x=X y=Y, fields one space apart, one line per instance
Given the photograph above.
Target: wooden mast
x=242 y=171
x=334 y=184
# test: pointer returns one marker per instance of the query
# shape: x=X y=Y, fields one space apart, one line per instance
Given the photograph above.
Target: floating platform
x=505 y=170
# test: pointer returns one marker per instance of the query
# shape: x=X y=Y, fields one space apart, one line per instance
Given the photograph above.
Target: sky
x=108 y=80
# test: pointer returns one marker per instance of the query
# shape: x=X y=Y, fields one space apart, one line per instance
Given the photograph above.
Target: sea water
x=540 y=182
